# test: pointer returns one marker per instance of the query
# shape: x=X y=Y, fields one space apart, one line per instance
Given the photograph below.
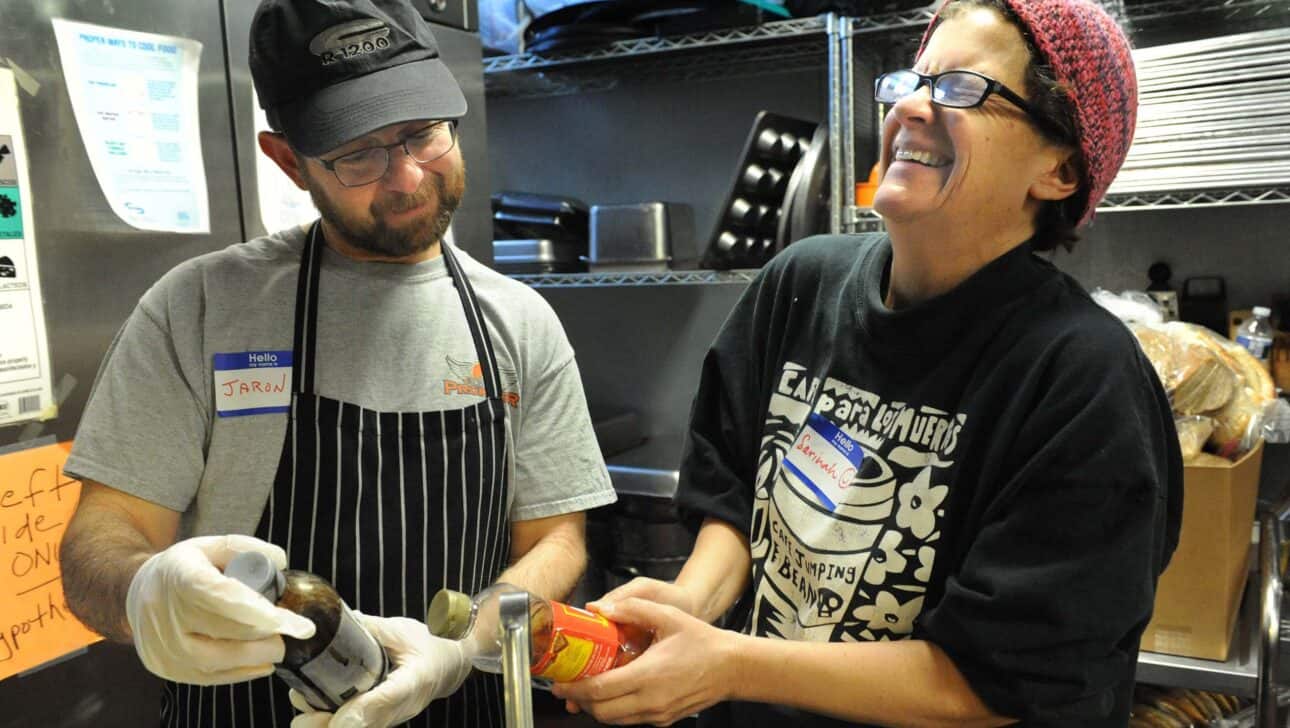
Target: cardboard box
x=1199 y=595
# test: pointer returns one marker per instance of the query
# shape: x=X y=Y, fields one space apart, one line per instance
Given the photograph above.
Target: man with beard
x=307 y=387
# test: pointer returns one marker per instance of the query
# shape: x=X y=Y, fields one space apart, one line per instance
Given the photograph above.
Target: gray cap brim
x=344 y=112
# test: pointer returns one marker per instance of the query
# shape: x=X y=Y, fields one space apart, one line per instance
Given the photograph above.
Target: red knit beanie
x=1091 y=59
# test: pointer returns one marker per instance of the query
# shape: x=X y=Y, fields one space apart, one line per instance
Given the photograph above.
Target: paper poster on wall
x=26 y=381
x=134 y=96
x=37 y=500
x=282 y=204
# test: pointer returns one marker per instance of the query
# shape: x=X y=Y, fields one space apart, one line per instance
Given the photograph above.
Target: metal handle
x=522 y=19
x=1270 y=589
x=513 y=610
x=1270 y=626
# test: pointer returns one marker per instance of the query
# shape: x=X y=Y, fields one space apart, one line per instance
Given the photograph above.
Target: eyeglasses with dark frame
x=956 y=90
x=365 y=166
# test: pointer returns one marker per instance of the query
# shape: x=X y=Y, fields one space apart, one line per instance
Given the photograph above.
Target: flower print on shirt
x=888 y=614
x=926 y=556
x=885 y=559
x=919 y=500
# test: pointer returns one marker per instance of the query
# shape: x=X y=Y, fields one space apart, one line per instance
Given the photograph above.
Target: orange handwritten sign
x=36 y=502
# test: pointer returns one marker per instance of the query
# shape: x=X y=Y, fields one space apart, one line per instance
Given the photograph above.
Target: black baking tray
x=747 y=230
x=531 y=215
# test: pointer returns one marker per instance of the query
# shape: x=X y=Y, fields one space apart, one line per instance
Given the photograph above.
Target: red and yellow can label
x=582 y=644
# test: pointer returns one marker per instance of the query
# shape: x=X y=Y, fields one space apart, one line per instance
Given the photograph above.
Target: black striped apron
x=388 y=506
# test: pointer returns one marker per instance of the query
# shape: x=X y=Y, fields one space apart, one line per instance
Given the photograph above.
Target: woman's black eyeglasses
x=956 y=90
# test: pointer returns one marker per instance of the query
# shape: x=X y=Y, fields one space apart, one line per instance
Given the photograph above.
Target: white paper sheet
x=282 y=204
x=26 y=382
x=135 y=100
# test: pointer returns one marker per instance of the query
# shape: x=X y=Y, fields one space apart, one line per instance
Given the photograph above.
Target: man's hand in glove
x=425 y=668
x=192 y=624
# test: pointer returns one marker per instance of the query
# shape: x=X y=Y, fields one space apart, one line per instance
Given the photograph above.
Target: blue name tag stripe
x=252 y=360
x=840 y=440
x=824 y=499
x=253 y=411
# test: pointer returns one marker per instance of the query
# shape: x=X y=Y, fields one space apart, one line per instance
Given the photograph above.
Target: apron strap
x=475 y=320
x=305 y=341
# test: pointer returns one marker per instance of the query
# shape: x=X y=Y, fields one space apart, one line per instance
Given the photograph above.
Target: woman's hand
x=653 y=590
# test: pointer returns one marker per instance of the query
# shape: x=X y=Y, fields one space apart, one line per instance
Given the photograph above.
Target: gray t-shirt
x=391 y=337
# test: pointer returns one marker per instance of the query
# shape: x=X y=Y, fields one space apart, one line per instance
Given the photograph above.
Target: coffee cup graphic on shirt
x=845 y=519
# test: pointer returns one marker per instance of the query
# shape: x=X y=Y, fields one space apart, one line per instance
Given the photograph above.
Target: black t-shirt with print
x=995 y=470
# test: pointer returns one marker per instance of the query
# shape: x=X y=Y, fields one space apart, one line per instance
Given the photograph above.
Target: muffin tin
x=749 y=229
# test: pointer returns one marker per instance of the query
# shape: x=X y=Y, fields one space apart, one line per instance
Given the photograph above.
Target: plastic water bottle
x=1256 y=336
x=1162 y=291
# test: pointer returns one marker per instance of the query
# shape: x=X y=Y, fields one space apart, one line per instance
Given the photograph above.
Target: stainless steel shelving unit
x=789 y=45
x=803 y=43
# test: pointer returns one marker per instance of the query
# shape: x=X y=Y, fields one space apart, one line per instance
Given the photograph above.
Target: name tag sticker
x=825 y=459
x=252 y=383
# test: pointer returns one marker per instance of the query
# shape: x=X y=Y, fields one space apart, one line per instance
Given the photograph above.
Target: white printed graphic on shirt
x=847 y=561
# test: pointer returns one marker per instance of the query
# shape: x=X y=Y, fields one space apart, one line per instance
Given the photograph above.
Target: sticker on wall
x=26 y=381
x=10 y=199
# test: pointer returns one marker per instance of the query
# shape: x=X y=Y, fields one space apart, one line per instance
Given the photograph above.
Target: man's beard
x=416 y=235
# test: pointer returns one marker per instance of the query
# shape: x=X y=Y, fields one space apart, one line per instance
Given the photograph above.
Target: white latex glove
x=424 y=668
x=192 y=624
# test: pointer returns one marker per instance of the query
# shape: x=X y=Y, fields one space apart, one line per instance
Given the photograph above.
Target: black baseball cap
x=329 y=71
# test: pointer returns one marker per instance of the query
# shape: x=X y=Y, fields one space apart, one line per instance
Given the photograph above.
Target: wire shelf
x=725 y=53
x=635 y=48
x=734 y=62
x=867 y=221
x=775 y=47
x=1174 y=199
x=660 y=278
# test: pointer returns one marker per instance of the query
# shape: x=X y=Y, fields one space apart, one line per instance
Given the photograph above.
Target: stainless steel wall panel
x=93 y=269
x=472 y=227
